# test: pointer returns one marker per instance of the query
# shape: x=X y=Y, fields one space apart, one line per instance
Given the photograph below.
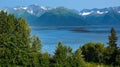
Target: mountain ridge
x=45 y=16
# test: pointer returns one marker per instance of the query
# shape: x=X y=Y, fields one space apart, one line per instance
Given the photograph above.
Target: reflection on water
x=72 y=36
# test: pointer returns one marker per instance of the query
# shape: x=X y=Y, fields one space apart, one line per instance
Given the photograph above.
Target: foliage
x=78 y=60
x=113 y=39
x=93 y=52
x=112 y=51
x=117 y=58
x=36 y=44
x=14 y=40
x=62 y=54
x=96 y=52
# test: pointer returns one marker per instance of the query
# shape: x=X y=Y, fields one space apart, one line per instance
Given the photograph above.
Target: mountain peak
x=97 y=11
x=31 y=9
x=59 y=16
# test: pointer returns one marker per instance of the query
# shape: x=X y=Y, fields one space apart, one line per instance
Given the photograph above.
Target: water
x=72 y=36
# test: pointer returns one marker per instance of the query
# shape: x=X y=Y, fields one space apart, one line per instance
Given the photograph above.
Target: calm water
x=72 y=36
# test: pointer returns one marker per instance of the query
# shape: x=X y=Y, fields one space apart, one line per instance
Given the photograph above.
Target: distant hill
x=61 y=17
x=45 y=16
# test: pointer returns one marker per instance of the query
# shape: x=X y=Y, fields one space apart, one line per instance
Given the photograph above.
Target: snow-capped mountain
x=31 y=9
x=39 y=10
x=86 y=12
x=60 y=16
x=105 y=16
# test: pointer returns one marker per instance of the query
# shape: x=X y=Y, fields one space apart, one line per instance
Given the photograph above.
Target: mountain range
x=45 y=16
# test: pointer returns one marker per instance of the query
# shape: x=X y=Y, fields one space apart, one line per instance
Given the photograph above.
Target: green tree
x=113 y=39
x=117 y=59
x=39 y=60
x=93 y=52
x=14 y=40
x=111 y=50
x=44 y=60
x=62 y=54
x=36 y=44
x=77 y=59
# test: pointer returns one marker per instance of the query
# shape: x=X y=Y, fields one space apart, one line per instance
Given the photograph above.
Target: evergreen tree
x=78 y=60
x=117 y=59
x=36 y=44
x=14 y=40
x=61 y=56
x=44 y=60
x=112 y=49
x=112 y=39
x=113 y=46
x=22 y=32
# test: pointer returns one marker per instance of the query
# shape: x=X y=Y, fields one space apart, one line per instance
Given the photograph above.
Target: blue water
x=51 y=36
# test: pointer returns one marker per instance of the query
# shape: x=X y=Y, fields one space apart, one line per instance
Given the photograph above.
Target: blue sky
x=72 y=4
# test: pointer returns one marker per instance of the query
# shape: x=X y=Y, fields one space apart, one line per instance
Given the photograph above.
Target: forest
x=19 y=49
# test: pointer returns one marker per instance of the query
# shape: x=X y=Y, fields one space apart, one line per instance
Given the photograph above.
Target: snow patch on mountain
x=85 y=13
x=99 y=12
x=24 y=8
x=30 y=11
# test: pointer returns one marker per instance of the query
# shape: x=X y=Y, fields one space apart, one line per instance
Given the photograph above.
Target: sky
x=71 y=4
